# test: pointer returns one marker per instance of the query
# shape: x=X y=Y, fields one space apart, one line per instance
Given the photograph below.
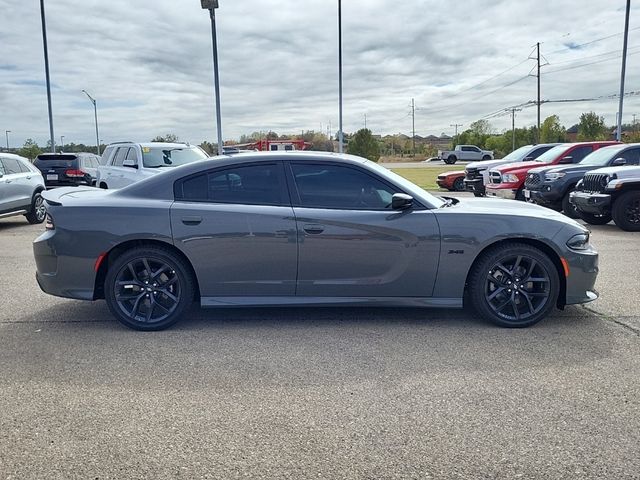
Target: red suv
x=507 y=181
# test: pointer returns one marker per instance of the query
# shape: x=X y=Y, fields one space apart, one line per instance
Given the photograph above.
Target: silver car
x=306 y=229
x=20 y=186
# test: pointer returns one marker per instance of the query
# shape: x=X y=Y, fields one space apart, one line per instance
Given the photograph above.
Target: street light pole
x=61 y=143
x=211 y=5
x=340 y=134
x=46 y=71
x=622 y=73
x=95 y=114
x=7 y=132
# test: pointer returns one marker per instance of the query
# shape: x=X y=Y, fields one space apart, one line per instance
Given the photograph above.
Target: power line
x=573 y=67
x=577 y=47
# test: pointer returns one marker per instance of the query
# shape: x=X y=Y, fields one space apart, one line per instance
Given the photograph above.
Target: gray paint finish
x=267 y=255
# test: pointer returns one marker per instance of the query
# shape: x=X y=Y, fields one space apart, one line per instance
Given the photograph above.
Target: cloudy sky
x=149 y=65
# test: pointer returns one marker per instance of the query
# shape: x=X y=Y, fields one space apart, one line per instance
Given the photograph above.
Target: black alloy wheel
x=38 y=210
x=148 y=288
x=514 y=286
x=626 y=212
x=458 y=185
x=451 y=159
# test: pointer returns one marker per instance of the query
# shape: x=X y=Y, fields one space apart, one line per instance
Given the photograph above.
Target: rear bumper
x=594 y=203
x=62 y=276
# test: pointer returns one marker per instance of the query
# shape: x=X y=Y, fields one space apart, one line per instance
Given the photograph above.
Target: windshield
x=156 y=157
x=405 y=184
x=550 y=155
x=518 y=154
x=601 y=157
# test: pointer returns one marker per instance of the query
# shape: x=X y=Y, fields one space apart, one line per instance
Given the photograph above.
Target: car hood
x=621 y=172
x=497 y=206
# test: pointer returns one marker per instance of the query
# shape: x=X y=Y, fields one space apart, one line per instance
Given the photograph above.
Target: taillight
x=74 y=173
x=48 y=223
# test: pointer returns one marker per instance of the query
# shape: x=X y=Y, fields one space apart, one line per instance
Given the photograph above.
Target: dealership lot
x=339 y=393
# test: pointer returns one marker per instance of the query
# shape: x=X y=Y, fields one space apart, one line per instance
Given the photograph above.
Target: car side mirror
x=401 y=201
x=618 y=162
x=130 y=164
x=567 y=159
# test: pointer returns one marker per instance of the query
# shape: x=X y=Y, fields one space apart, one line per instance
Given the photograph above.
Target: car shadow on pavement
x=12 y=223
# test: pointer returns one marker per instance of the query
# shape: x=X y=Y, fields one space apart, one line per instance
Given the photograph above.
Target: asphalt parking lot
x=324 y=393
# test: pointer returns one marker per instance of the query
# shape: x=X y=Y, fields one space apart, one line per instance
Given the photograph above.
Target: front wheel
x=38 y=211
x=626 y=212
x=592 y=219
x=450 y=160
x=458 y=185
x=514 y=285
x=569 y=208
x=148 y=288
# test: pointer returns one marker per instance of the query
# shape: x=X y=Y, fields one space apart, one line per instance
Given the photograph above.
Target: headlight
x=553 y=176
x=510 y=178
x=579 y=241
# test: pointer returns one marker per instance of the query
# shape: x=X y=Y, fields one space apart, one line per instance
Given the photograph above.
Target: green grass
x=425 y=177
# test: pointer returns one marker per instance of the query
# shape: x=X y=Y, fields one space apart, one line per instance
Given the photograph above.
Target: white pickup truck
x=125 y=163
x=464 y=152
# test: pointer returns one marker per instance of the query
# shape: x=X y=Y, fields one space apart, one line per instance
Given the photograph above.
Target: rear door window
x=632 y=156
x=250 y=185
x=11 y=166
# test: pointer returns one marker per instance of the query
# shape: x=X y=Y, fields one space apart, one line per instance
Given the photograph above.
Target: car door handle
x=313 y=228
x=191 y=220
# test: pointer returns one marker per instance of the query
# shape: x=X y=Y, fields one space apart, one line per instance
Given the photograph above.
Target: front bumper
x=476 y=185
x=593 y=203
x=508 y=193
x=583 y=271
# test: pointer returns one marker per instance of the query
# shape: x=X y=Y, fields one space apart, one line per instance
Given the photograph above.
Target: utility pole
x=456 y=125
x=365 y=121
x=340 y=135
x=513 y=127
x=538 y=103
x=46 y=71
x=633 y=126
x=624 y=68
x=7 y=132
x=413 y=125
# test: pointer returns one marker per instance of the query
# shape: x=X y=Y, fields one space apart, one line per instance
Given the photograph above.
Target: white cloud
x=148 y=64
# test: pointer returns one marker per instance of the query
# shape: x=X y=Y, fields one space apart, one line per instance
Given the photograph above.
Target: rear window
x=52 y=157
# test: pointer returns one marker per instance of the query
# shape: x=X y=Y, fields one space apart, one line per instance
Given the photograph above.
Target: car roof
x=153 y=144
x=13 y=156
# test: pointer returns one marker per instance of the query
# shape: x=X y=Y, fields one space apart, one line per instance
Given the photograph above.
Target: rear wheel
x=592 y=219
x=486 y=157
x=514 y=285
x=451 y=159
x=38 y=211
x=458 y=185
x=148 y=288
x=569 y=208
x=103 y=185
x=626 y=211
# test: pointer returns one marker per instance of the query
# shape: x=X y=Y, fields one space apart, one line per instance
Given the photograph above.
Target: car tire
x=520 y=195
x=569 y=208
x=626 y=211
x=103 y=186
x=458 y=185
x=592 y=219
x=522 y=302
x=477 y=194
x=486 y=157
x=161 y=288
x=450 y=160
x=38 y=212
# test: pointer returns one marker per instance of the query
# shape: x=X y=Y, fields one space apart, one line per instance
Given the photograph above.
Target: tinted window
x=632 y=156
x=539 y=151
x=251 y=185
x=579 y=153
x=156 y=157
x=334 y=186
x=273 y=147
x=11 y=166
x=120 y=156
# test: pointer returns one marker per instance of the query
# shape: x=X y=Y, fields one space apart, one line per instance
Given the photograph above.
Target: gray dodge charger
x=304 y=229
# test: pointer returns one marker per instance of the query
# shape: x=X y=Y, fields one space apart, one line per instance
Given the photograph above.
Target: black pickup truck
x=551 y=186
